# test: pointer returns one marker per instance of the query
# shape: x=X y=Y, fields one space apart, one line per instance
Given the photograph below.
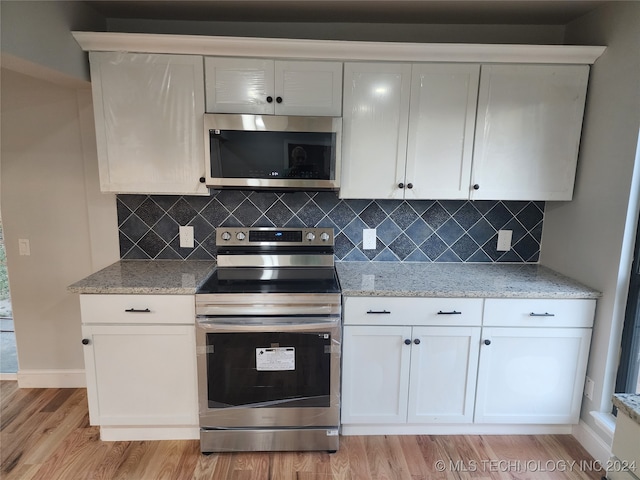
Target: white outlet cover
x=186 y=237
x=24 y=246
x=504 y=240
x=588 y=388
x=369 y=239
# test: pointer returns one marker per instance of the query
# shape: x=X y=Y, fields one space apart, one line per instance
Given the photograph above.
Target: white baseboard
x=51 y=379
x=8 y=376
x=592 y=442
x=452 y=429
x=112 y=434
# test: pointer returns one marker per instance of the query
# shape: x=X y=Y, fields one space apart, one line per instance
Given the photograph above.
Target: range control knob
x=311 y=236
x=240 y=236
x=324 y=237
x=226 y=236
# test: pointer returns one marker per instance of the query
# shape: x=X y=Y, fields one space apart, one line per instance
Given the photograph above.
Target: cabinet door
x=375 y=122
x=141 y=375
x=375 y=374
x=149 y=112
x=531 y=375
x=443 y=374
x=239 y=85
x=308 y=88
x=528 y=131
x=441 y=127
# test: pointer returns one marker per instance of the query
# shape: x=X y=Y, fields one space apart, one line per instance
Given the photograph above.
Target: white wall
x=381 y=32
x=50 y=196
x=37 y=34
x=591 y=238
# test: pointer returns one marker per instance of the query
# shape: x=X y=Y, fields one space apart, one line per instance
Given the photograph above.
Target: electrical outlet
x=186 y=237
x=369 y=239
x=24 y=248
x=588 y=388
x=504 y=240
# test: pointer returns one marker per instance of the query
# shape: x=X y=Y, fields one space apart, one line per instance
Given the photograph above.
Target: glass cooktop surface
x=272 y=280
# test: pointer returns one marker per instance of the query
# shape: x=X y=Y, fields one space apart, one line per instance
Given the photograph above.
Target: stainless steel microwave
x=272 y=152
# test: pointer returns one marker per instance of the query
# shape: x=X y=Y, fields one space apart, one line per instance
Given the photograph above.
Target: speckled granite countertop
x=457 y=280
x=629 y=403
x=177 y=277
x=356 y=279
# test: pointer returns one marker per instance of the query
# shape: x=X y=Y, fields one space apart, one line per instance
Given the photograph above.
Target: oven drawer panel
x=503 y=312
x=138 y=309
x=412 y=311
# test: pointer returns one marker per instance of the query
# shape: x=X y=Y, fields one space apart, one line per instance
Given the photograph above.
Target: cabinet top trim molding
x=336 y=49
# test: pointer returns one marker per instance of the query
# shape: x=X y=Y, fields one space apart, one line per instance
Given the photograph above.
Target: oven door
x=256 y=372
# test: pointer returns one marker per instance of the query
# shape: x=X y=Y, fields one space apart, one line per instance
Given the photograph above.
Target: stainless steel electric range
x=268 y=333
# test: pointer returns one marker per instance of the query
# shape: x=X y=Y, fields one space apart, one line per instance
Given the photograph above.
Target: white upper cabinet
x=441 y=125
x=268 y=87
x=528 y=131
x=408 y=130
x=374 y=129
x=148 y=112
x=460 y=131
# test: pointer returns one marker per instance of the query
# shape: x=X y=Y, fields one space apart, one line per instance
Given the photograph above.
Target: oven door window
x=269 y=369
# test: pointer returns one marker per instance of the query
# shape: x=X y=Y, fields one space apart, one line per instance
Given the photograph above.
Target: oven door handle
x=281 y=325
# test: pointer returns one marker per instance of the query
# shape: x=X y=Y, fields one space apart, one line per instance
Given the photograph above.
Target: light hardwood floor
x=45 y=434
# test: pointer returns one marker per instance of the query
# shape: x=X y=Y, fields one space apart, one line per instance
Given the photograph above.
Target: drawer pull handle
x=134 y=310
x=545 y=314
x=378 y=312
x=453 y=312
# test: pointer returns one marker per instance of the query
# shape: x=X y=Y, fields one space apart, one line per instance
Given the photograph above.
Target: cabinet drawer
x=538 y=313
x=137 y=309
x=412 y=311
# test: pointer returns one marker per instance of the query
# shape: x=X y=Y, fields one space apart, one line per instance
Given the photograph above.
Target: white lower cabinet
x=141 y=374
x=404 y=374
x=443 y=375
x=456 y=362
x=409 y=373
x=533 y=361
x=375 y=374
x=531 y=375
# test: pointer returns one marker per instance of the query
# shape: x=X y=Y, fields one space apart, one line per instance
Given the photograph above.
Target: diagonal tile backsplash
x=407 y=231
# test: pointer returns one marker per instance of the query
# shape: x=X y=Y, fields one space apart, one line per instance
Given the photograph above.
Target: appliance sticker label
x=275 y=359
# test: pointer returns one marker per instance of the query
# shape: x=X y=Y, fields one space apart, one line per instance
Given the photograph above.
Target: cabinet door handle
x=85 y=341
x=407 y=341
x=378 y=312
x=401 y=185
x=133 y=310
x=279 y=99
x=453 y=312
x=476 y=187
x=269 y=99
x=545 y=314
x=417 y=341
x=409 y=185
x=487 y=342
